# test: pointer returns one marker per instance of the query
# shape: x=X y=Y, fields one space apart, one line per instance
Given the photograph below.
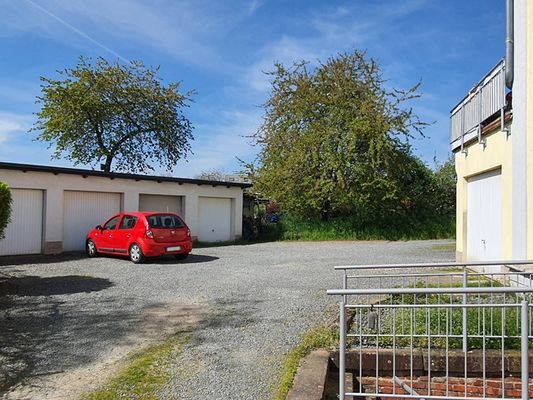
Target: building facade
x=54 y=208
x=492 y=141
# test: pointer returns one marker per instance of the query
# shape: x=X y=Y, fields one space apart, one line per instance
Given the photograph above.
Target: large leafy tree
x=335 y=139
x=102 y=112
x=445 y=184
x=212 y=175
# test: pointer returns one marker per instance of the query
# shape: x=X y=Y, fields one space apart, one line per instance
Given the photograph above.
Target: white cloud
x=217 y=144
x=12 y=124
x=287 y=50
x=253 y=6
x=186 y=30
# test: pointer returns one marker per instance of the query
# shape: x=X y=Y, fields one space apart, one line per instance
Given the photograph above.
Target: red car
x=141 y=234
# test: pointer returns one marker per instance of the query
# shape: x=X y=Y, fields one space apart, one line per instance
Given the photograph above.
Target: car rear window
x=162 y=221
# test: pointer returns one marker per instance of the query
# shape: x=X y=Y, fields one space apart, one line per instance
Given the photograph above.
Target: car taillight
x=149 y=234
x=188 y=232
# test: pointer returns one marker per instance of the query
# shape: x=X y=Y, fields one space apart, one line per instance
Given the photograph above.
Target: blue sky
x=221 y=48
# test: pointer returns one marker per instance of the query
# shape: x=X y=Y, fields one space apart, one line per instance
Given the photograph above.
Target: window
x=112 y=223
x=163 y=221
x=128 y=222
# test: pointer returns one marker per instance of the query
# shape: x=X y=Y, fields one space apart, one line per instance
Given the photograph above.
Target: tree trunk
x=107 y=165
x=324 y=213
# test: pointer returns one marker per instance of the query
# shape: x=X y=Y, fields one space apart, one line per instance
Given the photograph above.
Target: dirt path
x=157 y=324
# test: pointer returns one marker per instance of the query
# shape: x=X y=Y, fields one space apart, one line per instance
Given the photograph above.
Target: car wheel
x=136 y=254
x=90 y=248
x=181 y=256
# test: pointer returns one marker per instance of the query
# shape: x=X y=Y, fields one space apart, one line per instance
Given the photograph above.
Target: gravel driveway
x=65 y=317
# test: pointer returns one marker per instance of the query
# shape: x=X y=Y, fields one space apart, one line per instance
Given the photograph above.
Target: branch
x=98 y=132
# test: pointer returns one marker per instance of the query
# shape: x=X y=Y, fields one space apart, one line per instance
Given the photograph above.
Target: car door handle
x=128 y=235
x=110 y=235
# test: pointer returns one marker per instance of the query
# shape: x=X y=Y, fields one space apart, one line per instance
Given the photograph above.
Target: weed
x=144 y=374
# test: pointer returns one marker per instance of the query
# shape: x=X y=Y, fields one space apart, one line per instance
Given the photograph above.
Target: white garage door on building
x=214 y=219
x=152 y=202
x=25 y=231
x=484 y=219
x=82 y=211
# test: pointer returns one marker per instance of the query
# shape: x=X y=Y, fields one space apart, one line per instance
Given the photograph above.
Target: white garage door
x=24 y=232
x=214 y=219
x=484 y=217
x=152 y=202
x=82 y=211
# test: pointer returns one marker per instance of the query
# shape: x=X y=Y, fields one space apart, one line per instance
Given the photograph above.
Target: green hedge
x=5 y=208
x=349 y=228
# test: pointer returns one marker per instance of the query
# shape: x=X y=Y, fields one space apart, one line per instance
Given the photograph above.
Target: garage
x=151 y=202
x=24 y=233
x=83 y=211
x=214 y=219
x=484 y=219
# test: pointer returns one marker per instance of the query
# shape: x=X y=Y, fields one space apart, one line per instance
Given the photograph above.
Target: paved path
x=67 y=320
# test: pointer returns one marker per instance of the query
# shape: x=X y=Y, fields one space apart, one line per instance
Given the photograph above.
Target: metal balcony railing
x=436 y=331
x=485 y=99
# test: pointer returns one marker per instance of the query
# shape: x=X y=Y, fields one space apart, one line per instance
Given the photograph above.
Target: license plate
x=174 y=248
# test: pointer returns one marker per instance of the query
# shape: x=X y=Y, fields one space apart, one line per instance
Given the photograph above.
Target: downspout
x=509 y=44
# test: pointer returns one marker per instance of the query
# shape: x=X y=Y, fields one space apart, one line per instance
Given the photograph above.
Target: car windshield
x=163 y=221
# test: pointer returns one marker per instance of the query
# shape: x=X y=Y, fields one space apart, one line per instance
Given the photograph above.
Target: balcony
x=485 y=102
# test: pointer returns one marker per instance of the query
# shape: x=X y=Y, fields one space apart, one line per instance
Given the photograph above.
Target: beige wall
x=478 y=159
x=513 y=154
x=529 y=126
x=54 y=185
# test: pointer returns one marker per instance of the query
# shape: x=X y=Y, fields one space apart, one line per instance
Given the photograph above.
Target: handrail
x=458 y=290
x=370 y=314
x=485 y=99
x=436 y=265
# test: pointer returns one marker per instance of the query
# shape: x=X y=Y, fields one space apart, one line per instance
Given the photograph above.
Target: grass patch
x=451 y=269
x=319 y=337
x=345 y=228
x=441 y=329
x=491 y=327
x=146 y=371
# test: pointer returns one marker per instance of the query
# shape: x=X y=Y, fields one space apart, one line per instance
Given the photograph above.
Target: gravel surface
x=62 y=314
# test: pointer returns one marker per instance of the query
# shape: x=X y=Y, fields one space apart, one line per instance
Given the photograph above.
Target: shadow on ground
x=73 y=256
x=45 y=330
x=50 y=286
x=192 y=259
x=41 y=258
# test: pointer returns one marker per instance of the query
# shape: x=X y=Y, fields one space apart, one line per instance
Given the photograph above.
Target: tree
x=445 y=185
x=212 y=175
x=102 y=112
x=5 y=208
x=334 y=138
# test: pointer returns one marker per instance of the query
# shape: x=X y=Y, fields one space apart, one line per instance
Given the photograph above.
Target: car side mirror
x=99 y=227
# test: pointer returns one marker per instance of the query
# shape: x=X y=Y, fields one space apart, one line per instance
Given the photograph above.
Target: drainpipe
x=509 y=44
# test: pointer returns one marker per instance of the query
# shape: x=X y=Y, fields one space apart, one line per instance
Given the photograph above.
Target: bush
x=350 y=228
x=5 y=208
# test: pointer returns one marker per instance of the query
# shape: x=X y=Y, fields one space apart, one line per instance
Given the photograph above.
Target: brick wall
x=446 y=386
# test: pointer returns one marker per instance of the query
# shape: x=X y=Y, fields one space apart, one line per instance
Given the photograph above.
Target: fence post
x=525 y=350
x=345 y=283
x=342 y=348
x=465 y=315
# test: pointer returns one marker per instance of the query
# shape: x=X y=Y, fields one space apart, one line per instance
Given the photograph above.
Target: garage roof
x=116 y=175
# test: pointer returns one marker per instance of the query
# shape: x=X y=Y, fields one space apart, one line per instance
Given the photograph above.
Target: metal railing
x=434 y=331
x=485 y=99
